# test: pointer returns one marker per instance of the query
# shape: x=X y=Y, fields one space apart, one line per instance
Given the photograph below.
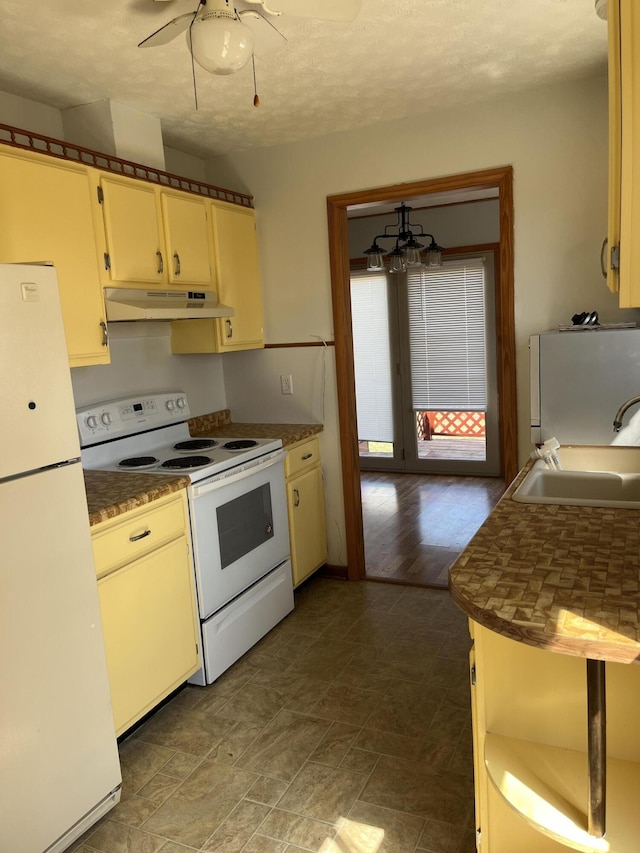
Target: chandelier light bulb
x=220 y=43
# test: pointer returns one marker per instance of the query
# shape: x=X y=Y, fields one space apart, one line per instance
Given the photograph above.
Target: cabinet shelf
x=547 y=787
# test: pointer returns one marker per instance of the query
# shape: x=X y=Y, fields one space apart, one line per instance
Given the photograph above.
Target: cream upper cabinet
x=624 y=152
x=305 y=505
x=134 y=250
x=46 y=214
x=611 y=247
x=238 y=285
x=154 y=236
x=236 y=248
x=186 y=233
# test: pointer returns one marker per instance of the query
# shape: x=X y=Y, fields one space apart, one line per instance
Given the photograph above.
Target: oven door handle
x=221 y=480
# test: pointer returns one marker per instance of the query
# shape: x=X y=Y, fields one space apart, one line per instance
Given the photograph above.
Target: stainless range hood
x=128 y=304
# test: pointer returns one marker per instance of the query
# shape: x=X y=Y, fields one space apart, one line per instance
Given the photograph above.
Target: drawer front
x=138 y=533
x=300 y=458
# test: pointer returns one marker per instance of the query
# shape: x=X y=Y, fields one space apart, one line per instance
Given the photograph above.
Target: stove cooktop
x=142 y=434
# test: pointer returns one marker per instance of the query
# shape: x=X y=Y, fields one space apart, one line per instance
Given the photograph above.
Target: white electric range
x=237 y=513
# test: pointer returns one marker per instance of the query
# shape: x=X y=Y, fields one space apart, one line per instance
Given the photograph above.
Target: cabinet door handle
x=307 y=456
x=160 y=262
x=229 y=328
x=603 y=251
x=105 y=333
x=140 y=536
x=296 y=497
x=176 y=258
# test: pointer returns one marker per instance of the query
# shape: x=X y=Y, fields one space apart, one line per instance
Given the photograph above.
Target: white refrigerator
x=579 y=379
x=59 y=768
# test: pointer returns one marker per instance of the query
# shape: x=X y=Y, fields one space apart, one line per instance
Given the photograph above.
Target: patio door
x=425 y=362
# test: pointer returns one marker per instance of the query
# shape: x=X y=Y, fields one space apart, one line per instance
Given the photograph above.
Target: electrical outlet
x=286 y=384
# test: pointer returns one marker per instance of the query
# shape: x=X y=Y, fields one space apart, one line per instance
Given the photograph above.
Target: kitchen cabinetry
x=238 y=280
x=305 y=505
x=153 y=236
x=147 y=601
x=624 y=152
x=529 y=712
x=46 y=214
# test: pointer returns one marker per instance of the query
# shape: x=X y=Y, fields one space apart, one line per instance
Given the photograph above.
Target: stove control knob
x=181 y=402
x=105 y=417
x=92 y=421
x=171 y=405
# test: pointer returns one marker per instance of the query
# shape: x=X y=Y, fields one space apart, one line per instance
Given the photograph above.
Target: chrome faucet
x=617 y=421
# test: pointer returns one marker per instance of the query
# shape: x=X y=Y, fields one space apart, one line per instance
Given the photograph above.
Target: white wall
x=30 y=115
x=142 y=362
x=185 y=165
x=555 y=139
x=469 y=224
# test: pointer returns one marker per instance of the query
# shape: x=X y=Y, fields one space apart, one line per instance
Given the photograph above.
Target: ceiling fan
x=218 y=36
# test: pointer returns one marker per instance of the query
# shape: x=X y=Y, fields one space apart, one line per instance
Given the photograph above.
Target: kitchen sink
x=591 y=476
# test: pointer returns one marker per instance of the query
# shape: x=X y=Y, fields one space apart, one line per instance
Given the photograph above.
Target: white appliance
x=237 y=510
x=59 y=769
x=579 y=379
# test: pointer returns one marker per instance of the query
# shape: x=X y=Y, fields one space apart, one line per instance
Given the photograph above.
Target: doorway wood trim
x=337 y=205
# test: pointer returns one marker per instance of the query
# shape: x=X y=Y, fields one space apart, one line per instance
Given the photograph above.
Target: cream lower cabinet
x=529 y=709
x=305 y=504
x=147 y=601
x=238 y=283
x=46 y=214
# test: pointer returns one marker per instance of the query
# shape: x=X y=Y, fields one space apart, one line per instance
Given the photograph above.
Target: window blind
x=447 y=337
x=371 y=353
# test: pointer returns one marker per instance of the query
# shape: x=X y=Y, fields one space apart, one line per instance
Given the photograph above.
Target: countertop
x=112 y=493
x=289 y=433
x=562 y=578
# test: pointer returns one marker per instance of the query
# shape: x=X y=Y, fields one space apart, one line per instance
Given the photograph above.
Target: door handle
x=176 y=258
x=140 y=536
x=603 y=250
x=296 y=497
x=229 y=328
x=160 y=269
x=105 y=333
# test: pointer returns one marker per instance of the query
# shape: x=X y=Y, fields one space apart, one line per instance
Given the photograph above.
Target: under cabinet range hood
x=129 y=304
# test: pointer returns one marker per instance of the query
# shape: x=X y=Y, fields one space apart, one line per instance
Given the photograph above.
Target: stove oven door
x=239 y=528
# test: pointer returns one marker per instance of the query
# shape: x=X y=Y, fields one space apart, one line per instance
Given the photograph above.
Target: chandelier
x=407 y=252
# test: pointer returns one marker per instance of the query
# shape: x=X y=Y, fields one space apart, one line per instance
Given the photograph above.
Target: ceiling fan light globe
x=220 y=45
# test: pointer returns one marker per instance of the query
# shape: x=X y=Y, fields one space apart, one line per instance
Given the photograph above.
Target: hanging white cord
x=323 y=393
x=324 y=372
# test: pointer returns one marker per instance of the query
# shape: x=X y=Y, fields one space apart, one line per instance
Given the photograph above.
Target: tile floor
x=345 y=730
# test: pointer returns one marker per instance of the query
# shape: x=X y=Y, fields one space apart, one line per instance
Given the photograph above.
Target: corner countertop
x=112 y=493
x=562 y=578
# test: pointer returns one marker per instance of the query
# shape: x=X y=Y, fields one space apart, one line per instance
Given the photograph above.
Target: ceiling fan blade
x=169 y=31
x=322 y=10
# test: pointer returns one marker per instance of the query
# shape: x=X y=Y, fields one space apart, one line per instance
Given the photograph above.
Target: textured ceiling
x=398 y=57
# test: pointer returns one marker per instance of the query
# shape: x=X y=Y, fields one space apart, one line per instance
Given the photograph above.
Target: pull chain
x=256 y=99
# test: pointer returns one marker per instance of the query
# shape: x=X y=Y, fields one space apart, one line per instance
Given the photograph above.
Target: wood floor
x=416 y=525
